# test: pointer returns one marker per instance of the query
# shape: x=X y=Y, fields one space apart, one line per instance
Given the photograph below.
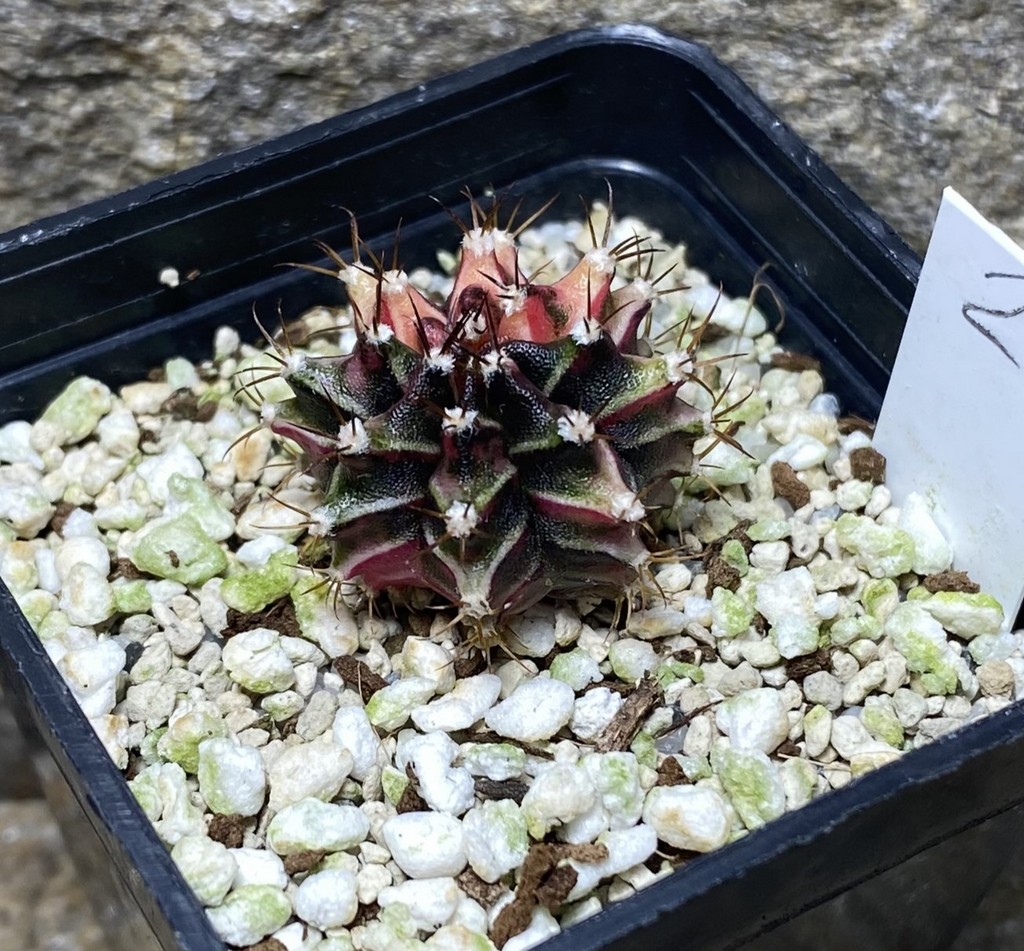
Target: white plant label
x=950 y=426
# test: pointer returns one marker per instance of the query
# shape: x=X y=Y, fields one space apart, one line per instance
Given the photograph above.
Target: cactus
x=503 y=447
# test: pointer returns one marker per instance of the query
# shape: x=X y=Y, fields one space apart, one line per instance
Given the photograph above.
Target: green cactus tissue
x=504 y=446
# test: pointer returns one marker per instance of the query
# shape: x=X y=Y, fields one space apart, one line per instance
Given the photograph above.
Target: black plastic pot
x=897 y=859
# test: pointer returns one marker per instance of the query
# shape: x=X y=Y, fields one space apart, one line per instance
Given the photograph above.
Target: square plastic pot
x=895 y=860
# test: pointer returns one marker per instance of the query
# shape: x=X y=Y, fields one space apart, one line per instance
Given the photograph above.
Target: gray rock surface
x=900 y=97
x=43 y=905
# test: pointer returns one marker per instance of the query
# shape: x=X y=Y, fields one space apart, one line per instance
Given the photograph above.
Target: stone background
x=901 y=97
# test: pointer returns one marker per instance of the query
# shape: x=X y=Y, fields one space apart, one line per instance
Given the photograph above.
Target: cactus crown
x=502 y=447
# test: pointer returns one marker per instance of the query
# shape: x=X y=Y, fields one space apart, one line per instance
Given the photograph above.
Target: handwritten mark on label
x=969 y=310
x=949 y=424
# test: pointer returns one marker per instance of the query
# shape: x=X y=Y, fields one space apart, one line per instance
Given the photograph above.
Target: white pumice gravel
x=496 y=838
x=430 y=902
x=426 y=844
x=232 y=779
x=327 y=899
x=536 y=710
x=696 y=818
x=304 y=754
x=461 y=707
x=429 y=757
x=208 y=867
x=312 y=825
x=258 y=867
x=308 y=770
x=249 y=913
x=626 y=848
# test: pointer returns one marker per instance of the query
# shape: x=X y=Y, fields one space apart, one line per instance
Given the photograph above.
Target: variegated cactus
x=500 y=448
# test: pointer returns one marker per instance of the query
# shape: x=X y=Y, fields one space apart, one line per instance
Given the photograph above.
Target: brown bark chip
x=486 y=893
x=868 y=465
x=670 y=773
x=722 y=575
x=545 y=881
x=229 y=831
x=556 y=887
x=585 y=852
x=855 y=424
x=787 y=485
x=513 y=919
x=357 y=674
x=788 y=748
x=951 y=581
x=470 y=665
x=419 y=624
x=365 y=914
x=61 y=511
x=303 y=861
x=123 y=568
x=184 y=404
x=279 y=616
x=786 y=360
x=801 y=667
x=626 y=723
x=501 y=789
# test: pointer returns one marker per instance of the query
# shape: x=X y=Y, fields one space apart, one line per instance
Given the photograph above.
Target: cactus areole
x=502 y=448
